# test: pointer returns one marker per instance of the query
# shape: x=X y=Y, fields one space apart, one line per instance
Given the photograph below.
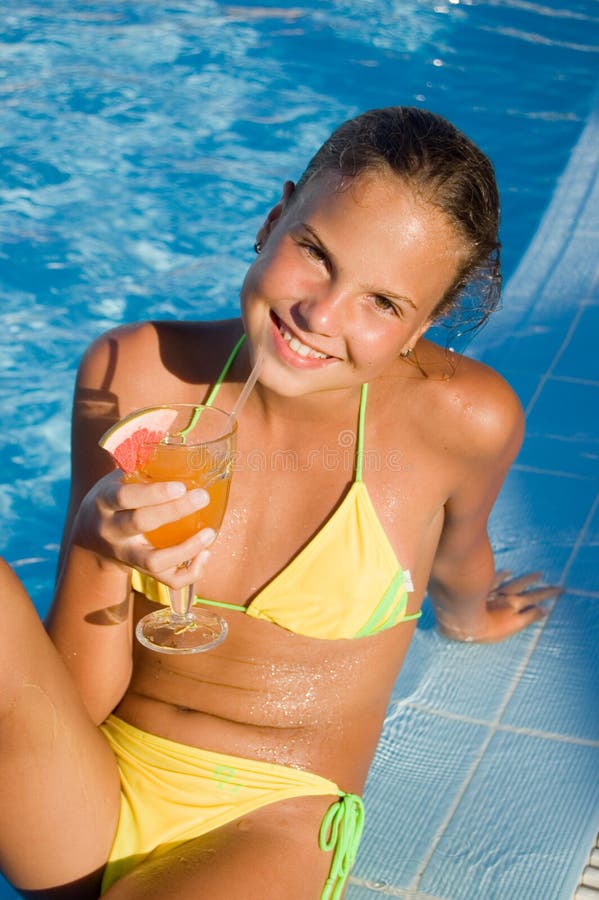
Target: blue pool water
x=142 y=144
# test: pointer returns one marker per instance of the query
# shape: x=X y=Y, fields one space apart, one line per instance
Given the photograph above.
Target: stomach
x=269 y=694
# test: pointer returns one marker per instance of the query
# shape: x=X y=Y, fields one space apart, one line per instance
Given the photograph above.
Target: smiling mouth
x=296 y=345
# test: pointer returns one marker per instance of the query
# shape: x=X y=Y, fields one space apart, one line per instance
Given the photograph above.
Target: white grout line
x=548 y=373
x=495 y=726
x=579 y=540
x=573 y=379
x=582 y=592
x=450 y=813
x=520 y=467
x=511 y=729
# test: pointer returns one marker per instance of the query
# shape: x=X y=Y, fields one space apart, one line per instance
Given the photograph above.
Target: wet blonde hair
x=443 y=165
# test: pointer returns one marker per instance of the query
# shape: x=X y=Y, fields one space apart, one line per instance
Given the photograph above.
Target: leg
x=266 y=855
x=59 y=785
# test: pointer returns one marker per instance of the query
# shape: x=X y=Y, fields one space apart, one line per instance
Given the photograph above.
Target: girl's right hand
x=115 y=514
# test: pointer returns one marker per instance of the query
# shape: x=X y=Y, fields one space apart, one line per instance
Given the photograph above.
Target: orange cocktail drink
x=195 y=467
x=194 y=445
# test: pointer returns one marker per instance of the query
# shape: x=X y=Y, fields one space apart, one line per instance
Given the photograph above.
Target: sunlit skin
x=354 y=274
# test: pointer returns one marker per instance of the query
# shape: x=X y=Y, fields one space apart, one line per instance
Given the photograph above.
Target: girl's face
x=346 y=281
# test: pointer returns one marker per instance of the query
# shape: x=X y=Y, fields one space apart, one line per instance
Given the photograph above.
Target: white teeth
x=299 y=348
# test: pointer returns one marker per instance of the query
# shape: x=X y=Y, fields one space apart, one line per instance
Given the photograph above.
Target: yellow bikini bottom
x=172 y=793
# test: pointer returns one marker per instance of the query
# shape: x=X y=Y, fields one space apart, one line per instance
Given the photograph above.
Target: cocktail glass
x=198 y=451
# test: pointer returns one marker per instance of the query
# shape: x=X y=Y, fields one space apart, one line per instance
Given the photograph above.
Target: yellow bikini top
x=345 y=583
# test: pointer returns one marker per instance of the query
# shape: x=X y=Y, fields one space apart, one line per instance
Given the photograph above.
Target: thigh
x=59 y=785
x=266 y=855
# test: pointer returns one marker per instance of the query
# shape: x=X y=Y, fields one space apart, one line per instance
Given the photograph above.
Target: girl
x=369 y=459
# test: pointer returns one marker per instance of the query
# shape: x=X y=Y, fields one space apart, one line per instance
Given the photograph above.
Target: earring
x=258 y=247
x=405 y=353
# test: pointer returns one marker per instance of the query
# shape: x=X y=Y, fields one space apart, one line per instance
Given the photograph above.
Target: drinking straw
x=252 y=378
x=245 y=392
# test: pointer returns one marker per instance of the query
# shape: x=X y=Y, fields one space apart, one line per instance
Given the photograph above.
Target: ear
x=276 y=212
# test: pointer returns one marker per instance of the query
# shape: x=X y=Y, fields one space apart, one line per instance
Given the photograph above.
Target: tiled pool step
x=588 y=888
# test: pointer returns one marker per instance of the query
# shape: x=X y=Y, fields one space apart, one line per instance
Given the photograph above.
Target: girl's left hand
x=514 y=603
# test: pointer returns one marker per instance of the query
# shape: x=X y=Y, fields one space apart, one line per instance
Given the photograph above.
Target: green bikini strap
x=340 y=832
x=223 y=374
x=360 y=435
x=361 y=412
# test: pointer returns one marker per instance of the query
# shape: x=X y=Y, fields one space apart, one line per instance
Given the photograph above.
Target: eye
x=386 y=306
x=313 y=251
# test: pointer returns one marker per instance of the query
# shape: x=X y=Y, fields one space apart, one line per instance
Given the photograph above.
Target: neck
x=326 y=407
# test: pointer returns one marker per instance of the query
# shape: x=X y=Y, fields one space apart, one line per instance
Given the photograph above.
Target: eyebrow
x=383 y=293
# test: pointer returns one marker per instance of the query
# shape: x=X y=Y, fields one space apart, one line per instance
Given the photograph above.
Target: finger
x=159 y=562
x=519 y=602
x=522 y=620
x=179 y=576
x=134 y=495
x=196 y=566
x=506 y=623
x=532 y=614
x=519 y=584
x=147 y=518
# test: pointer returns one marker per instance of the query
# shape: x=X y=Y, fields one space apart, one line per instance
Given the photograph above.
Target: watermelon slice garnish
x=129 y=440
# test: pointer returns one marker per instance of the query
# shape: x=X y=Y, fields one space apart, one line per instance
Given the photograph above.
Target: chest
x=284 y=495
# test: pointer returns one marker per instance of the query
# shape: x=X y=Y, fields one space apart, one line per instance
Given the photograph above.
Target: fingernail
x=199 y=497
x=207 y=535
x=175 y=489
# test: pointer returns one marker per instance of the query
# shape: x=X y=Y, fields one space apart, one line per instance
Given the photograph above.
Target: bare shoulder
x=477 y=411
x=8 y=578
x=115 y=351
x=153 y=361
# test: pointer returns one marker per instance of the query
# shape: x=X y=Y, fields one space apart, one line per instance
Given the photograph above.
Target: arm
x=463 y=587
x=90 y=623
x=91 y=618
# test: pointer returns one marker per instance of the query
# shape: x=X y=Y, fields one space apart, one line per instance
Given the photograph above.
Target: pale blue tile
x=576 y=458
x=420 y=765
x=358 y=892
x=537 y=520
x=378 y=891
x=531 y=349
x=523 y=383
x=566 y=409
x=536 y=523
x=462 y=679
x=557 y=692
x=592 y=533
x=524 y=827
x=580 y=358
x=584 y=572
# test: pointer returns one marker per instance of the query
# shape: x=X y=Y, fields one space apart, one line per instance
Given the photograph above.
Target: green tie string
x=340 y=831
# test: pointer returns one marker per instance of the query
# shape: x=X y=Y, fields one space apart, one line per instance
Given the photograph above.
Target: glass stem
x=181 y=602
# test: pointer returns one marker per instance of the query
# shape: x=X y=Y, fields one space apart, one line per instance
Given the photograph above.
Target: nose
x=323 y=312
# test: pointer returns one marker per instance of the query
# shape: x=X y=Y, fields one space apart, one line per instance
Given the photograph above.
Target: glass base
x=199 y=630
